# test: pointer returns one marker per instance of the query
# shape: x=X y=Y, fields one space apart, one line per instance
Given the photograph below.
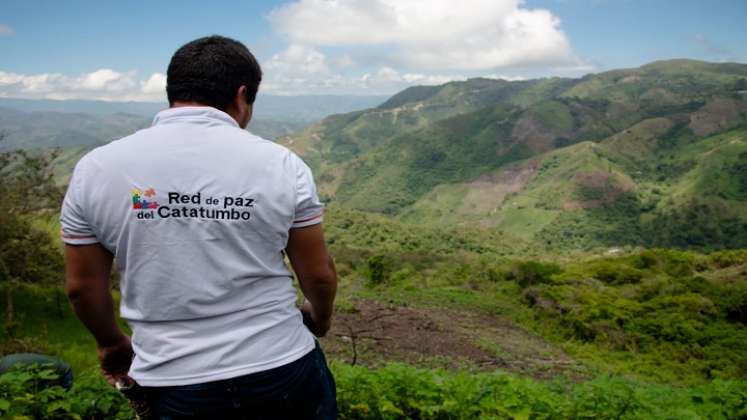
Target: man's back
x=197 y=214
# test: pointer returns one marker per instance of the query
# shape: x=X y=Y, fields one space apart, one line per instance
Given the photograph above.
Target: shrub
x=531 y=273
x=617 y=274
x=379 y=269
x=21 y=397
x=724 y=259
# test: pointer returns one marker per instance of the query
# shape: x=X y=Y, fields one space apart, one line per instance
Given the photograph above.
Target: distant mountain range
x=46 y=129
x=78 y=126
x=652 y=156
x=48 y=123
x=295 y=109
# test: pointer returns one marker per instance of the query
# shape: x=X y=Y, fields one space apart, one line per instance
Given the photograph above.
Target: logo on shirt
x=193 y=206
x=139 y=203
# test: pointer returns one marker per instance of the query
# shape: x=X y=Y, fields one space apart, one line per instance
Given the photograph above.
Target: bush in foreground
x=398 y=391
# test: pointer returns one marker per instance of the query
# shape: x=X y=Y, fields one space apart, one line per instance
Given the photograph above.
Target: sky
x=119 y=50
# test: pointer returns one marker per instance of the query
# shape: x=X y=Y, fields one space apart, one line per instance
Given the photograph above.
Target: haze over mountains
x=303 y=109
x=47 y=123
x=650 y=156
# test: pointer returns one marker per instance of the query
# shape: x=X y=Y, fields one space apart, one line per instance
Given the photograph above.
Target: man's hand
x=115 y=361
x=88 y=268
x=313 y=322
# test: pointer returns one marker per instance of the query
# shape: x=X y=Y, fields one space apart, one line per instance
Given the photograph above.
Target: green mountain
x=339 y=138
x=650 y=156
x=38 y=130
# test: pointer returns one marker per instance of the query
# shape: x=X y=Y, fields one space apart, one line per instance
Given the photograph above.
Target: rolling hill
x=649 y=156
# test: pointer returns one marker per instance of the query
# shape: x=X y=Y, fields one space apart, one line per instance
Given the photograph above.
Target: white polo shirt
x=196 y=212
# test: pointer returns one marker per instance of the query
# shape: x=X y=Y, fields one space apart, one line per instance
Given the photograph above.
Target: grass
x=46 y=323
x=708 y=177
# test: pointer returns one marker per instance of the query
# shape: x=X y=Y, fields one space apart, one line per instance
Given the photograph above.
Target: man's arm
x=316 y=274
x=87 y=272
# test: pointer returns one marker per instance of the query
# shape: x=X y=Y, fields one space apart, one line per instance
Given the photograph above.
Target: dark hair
x=210 y=70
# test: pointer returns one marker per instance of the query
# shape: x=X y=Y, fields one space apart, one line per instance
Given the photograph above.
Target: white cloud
x=431 y=34
x=504 y=77
x=155 y=85
x=106 y=80
x=6 y=30
x=344 y=61
x=389 y=77
x=102 y=84
x=298 y=59
x=385 y=80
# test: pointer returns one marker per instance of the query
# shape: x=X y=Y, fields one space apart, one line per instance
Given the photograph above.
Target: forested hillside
x=580 y=163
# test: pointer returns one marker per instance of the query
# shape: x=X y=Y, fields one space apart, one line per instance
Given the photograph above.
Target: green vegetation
x=394 y=176
x=23 y=397
x=661 y=315
x=670 y=309
x=26 y=252
x=662 y=332
x=529 y=158
x=554 y=115
x=397 y=391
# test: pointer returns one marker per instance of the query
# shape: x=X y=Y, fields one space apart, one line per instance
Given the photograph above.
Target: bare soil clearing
x=376 y=333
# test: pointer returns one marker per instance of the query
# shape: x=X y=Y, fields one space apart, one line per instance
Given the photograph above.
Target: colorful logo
x=139 y=203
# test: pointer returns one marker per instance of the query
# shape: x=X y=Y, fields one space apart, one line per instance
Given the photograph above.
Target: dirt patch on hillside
x=443 y=338
x=487 y=192
x=596 y=189
x=659 y=97
x=717 y=115
x=529 y=131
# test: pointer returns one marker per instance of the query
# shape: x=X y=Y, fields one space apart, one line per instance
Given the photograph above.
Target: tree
x=27 y=253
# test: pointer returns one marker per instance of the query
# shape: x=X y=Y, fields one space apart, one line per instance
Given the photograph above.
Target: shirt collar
x=193 y=113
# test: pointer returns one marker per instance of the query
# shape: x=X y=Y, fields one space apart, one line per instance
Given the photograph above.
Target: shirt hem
x=80 y=241
x=309 y=222
x=226 y=374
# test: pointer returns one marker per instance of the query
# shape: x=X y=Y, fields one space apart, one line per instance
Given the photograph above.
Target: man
x=198 y=213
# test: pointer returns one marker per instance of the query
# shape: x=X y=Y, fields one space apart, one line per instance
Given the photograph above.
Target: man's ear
x=239 y=100
x=242 y=110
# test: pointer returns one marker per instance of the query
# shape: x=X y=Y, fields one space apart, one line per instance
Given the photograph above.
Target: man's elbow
x=324 y=276
x=331 y=272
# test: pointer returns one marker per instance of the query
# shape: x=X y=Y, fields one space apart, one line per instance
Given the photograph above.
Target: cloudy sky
x=119 y=50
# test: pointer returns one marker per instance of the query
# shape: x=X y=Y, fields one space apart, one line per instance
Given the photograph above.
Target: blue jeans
x=303 y=389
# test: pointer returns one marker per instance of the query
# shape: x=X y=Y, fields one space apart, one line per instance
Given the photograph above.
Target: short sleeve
x=309 y=210
x=75 y=228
